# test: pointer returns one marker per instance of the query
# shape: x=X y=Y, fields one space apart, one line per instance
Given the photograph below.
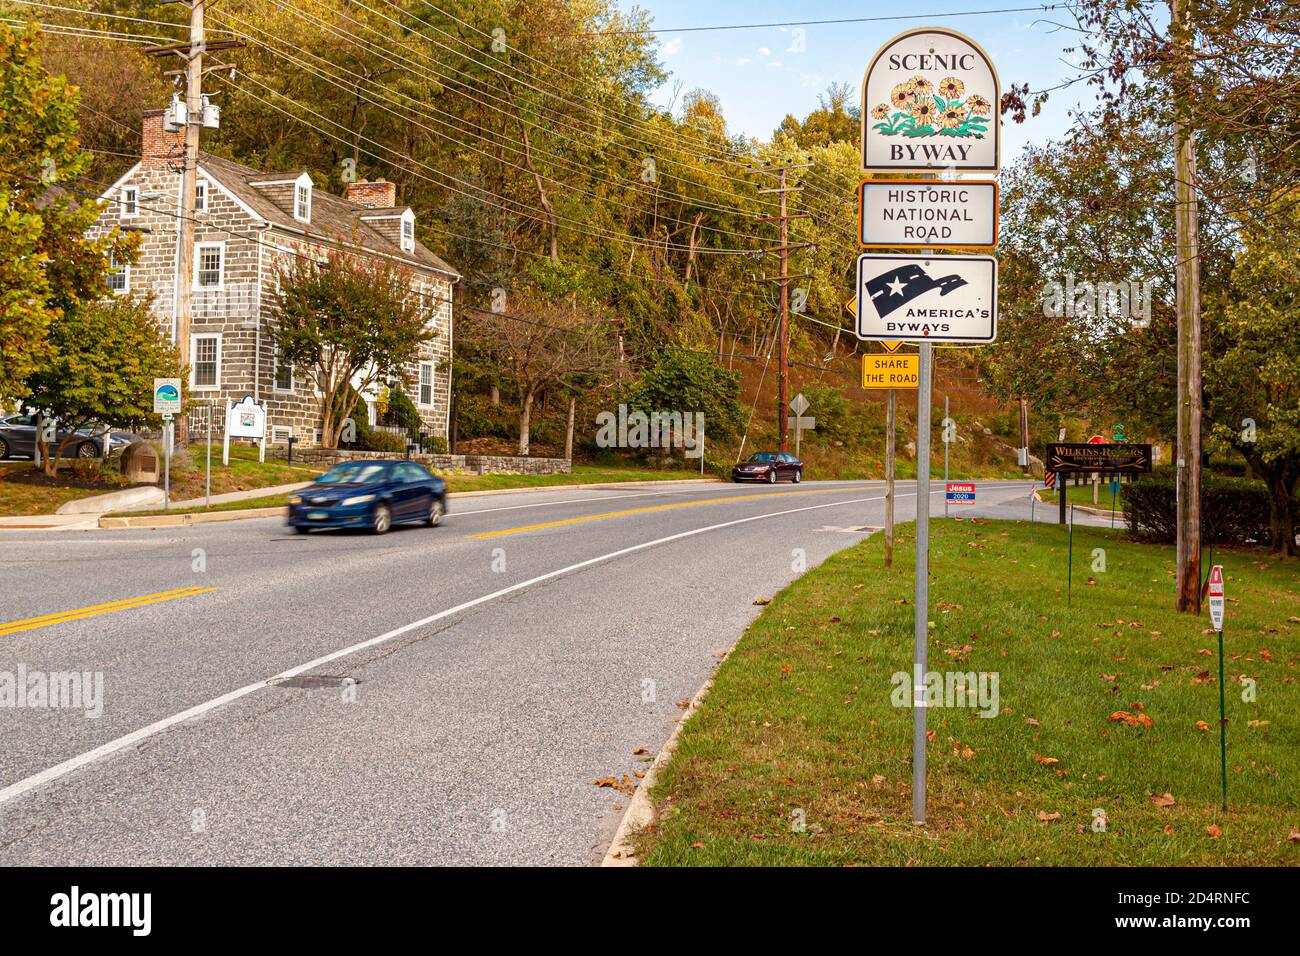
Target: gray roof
x=333 y=218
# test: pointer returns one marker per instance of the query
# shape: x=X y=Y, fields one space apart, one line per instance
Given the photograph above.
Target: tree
x=47 y=264
x=541 y=346
x=686 y=381
x=106 y=354
x=347 y=324
x=1253 y=376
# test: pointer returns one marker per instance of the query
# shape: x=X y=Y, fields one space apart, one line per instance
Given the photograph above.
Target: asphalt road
x=499 y=668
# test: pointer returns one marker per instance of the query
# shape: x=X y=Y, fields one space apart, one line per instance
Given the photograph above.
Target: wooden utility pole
x=1187 y=303
x=783 y=377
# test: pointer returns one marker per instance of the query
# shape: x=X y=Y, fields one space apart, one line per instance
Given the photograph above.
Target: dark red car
x=769 y=466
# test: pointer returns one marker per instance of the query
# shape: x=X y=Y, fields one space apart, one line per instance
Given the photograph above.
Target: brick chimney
x=379 y=194
x=161 y=149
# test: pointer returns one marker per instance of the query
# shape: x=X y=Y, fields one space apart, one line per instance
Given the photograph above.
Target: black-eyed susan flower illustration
x=919 y=108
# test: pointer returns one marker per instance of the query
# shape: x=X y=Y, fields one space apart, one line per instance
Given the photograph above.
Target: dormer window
x=408 y=232
x=302 y=199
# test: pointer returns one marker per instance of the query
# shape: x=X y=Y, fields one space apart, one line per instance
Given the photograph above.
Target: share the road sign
x=891 y=371
x=898 y=213
x=927 y=298
x=1215 y=586
x=960 y=493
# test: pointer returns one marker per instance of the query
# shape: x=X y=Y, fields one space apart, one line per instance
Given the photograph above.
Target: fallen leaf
x=640 y=750
x=1046 y=817
x=1214 y=831
x=1294 y=835
x=878 y=779
x=761 y=601
x=1257 y=723
x=1202 y=725
x=1031 y=722
x=1163 y=800
x=1046 y=761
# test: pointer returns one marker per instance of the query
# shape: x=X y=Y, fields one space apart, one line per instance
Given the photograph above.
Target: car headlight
x=295 y=500
x=357 y=500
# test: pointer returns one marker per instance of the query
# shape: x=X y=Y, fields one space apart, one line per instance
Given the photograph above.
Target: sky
x=761 y=74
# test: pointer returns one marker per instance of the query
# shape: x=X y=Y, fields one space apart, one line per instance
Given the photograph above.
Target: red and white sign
x=959 y=492
x=1215 y=588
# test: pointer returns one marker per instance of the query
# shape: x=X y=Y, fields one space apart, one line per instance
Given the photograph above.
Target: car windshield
x=354 y=473
x=762 y=456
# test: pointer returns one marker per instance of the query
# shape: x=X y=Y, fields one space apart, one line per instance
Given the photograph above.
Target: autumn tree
x=347 y=324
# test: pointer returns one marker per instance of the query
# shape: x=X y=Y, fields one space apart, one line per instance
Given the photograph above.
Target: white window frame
x=199 y=247
x=129 y=205
x=276 y=365
x=200 y=196
x=124 y=271
x=194 y=365
x=408 y=222
x=302 y=195
x=419 y=385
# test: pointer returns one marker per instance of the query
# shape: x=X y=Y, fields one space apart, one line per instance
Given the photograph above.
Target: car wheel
x=4 y=448
x=383 y=519
x=87 y=449
x=771 y=476
x=436 y=511
x=301 y=528
x=798 y=476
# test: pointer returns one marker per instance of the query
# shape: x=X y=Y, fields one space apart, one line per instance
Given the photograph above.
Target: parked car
x=369 y=494
x=769 y=466
x=18 y=439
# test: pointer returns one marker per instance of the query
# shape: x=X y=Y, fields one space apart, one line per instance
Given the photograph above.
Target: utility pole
x=1024 y=435
x=195 y=119
x=783 y=377
x=1187 y=303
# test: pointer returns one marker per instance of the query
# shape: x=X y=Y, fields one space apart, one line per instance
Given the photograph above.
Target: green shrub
x=385 y=441
x=436 y=445
x=1235 y=511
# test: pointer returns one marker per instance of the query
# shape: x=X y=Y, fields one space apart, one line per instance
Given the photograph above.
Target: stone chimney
x=379 y=194
x=160 y=149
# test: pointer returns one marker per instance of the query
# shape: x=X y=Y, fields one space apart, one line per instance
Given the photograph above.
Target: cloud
x=764 y=51
x=742 y=61
x=673 y=46
x=776 y=63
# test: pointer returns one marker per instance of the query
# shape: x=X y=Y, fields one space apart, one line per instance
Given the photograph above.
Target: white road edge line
x=51 y=774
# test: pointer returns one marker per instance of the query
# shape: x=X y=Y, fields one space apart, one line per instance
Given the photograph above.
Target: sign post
x=167 y=402
x=1214 y=586
x=929 y=104
x=797 y=421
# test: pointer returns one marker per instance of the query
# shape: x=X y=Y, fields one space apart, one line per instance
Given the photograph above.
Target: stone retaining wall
x=472 y=464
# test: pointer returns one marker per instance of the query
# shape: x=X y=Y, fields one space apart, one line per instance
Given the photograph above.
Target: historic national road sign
x=927 y=298
x=891 y=371
x=897 y=213
x=930 y=102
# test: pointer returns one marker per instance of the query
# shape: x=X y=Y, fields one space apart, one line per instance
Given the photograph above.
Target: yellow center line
x=650 y=508
x=59 y=617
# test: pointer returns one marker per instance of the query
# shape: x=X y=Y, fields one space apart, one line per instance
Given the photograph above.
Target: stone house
x=250 y=225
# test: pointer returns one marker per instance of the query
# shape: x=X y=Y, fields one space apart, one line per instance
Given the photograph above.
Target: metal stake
x=921 y=608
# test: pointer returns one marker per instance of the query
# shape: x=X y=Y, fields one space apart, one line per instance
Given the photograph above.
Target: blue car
x=369 y=494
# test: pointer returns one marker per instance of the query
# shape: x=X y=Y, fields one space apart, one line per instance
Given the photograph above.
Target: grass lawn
x=270 y=501
x=581 y=475
x=25 y=490
x=1082 y=495
x=800 y=725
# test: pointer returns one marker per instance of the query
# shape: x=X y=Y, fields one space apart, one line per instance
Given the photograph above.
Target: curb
x=640 y=811
x=189 y=518
x=604 y=486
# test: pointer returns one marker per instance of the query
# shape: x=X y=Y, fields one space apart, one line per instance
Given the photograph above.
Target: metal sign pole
x=946 y=443
x=207 y=482
x=167 y=463
x=921 y=605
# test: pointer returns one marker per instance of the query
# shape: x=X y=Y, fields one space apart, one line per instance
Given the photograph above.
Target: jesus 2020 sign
x=930 y=102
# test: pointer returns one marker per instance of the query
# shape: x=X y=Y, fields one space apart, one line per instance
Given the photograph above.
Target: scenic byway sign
x=895 y=213
x=930 y=102
x=927 y=298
